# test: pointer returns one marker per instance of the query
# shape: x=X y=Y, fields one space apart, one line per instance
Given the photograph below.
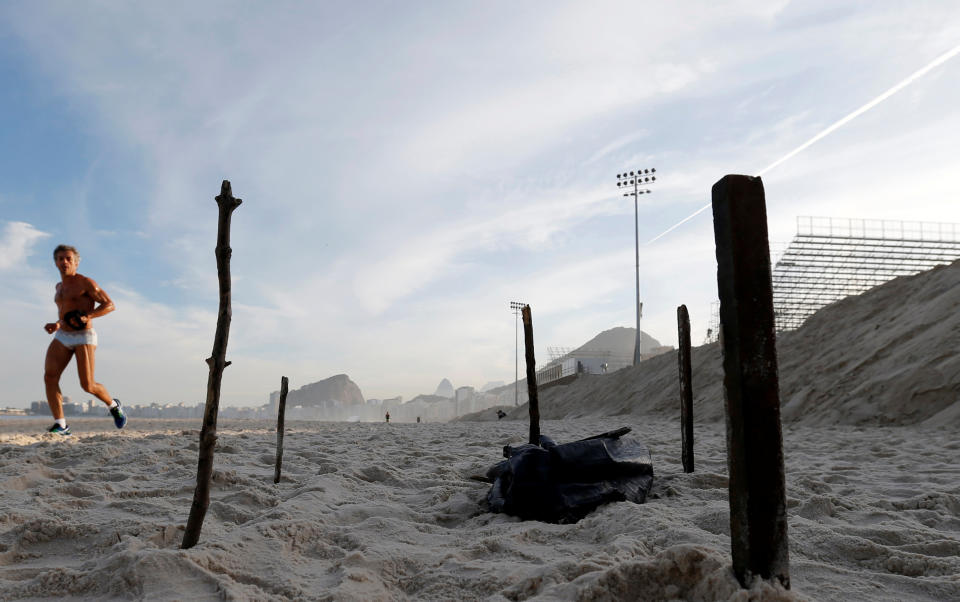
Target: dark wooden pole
x=686 y=388
x=758 y=518
x=531 y=376
x=282 y=407
x=216 y=362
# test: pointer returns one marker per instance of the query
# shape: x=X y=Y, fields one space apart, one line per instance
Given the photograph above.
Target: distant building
x=567 y=369
x=570 y=366
x=71 y=408
x=463 y=399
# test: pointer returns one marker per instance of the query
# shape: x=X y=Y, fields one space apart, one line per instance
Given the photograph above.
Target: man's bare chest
x=71 y=291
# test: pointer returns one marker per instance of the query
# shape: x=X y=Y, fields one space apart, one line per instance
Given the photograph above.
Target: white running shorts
x=77 y=337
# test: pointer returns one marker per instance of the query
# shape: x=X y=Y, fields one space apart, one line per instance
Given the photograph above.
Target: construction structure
x=566 y=364
x=713 y=327
x=595 y=361
x=833 y=258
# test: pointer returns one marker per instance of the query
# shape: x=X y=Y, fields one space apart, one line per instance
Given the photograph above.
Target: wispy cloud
x=407 y=171
x=17 y=242
x=529 y=223
x=616 y=145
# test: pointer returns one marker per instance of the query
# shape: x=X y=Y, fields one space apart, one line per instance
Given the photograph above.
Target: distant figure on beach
x=79 y=300
x=418 y=420
x=501 y=414
x=388 y=416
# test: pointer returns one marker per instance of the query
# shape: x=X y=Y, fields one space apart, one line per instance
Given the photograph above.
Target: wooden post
x=686 y=389
x=282 y=407
x=758 y=518
x=216 y=362
x=531 y=376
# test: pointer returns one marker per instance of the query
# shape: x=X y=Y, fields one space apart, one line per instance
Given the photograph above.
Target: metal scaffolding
x=713 y=328
x=833 y=258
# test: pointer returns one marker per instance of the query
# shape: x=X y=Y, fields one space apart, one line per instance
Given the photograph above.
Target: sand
x=870 y=392
x=388 y=512
x=890 y=356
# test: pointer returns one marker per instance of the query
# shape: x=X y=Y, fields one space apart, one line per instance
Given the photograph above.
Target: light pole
x=516 y=306
x=625 y=182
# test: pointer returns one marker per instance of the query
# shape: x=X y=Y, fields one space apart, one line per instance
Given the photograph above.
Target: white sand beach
x=373 y=511
x=388 y=512
x=385 y=205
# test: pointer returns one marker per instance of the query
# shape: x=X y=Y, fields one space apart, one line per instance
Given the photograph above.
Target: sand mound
x=890 y=356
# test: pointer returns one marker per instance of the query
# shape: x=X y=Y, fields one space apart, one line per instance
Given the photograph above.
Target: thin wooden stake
x=216 y=362
x=686 y=388
x=531 y=376
x=283 y=405
x=758 y=518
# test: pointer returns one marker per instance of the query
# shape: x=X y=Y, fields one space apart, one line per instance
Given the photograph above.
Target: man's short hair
x=63 y=248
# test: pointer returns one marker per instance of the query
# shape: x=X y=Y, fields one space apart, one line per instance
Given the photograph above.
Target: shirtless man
x=78 y=300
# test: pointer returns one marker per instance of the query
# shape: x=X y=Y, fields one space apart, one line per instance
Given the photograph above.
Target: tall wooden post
x=758 y=519
x=280 y=411
x=531 y=376
x=216 y=362
x=686 y=388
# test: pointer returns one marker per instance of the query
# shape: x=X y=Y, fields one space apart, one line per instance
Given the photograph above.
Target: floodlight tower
x=516 y=306
x=634 y=184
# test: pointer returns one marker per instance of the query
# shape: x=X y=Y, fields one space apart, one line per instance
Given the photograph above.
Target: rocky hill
x=444 y=389
x=426 y=398
x=888 y=356
x=336 y=388
x=618 y=341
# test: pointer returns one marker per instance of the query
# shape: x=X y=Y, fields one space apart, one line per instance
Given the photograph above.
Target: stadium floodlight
x=635 y=184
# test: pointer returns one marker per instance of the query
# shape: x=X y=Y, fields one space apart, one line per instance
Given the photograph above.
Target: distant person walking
x=388 y=416
x=79 y=300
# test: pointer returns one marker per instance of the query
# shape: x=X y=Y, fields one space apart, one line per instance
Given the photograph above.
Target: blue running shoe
x=56 y=429
x=119 y=418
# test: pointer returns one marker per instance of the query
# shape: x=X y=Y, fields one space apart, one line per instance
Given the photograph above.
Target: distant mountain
x=492 y=385
x=336 y=388
x=424 y=398
x=884 y=357
x=444 y=389
x=619 y=341
x=616 y=343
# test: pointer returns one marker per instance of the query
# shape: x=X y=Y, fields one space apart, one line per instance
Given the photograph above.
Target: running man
x=79 y=300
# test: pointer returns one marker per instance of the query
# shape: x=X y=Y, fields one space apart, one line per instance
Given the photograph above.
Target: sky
x=409 y=168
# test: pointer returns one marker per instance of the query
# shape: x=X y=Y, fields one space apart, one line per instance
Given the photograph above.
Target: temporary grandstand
x=566 y=364
x=832 y=258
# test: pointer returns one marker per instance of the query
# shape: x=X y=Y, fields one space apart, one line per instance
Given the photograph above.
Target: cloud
x=616 y=145
x=528 y=223
x=406 y=171
x=17 y=242
x=528 y=116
